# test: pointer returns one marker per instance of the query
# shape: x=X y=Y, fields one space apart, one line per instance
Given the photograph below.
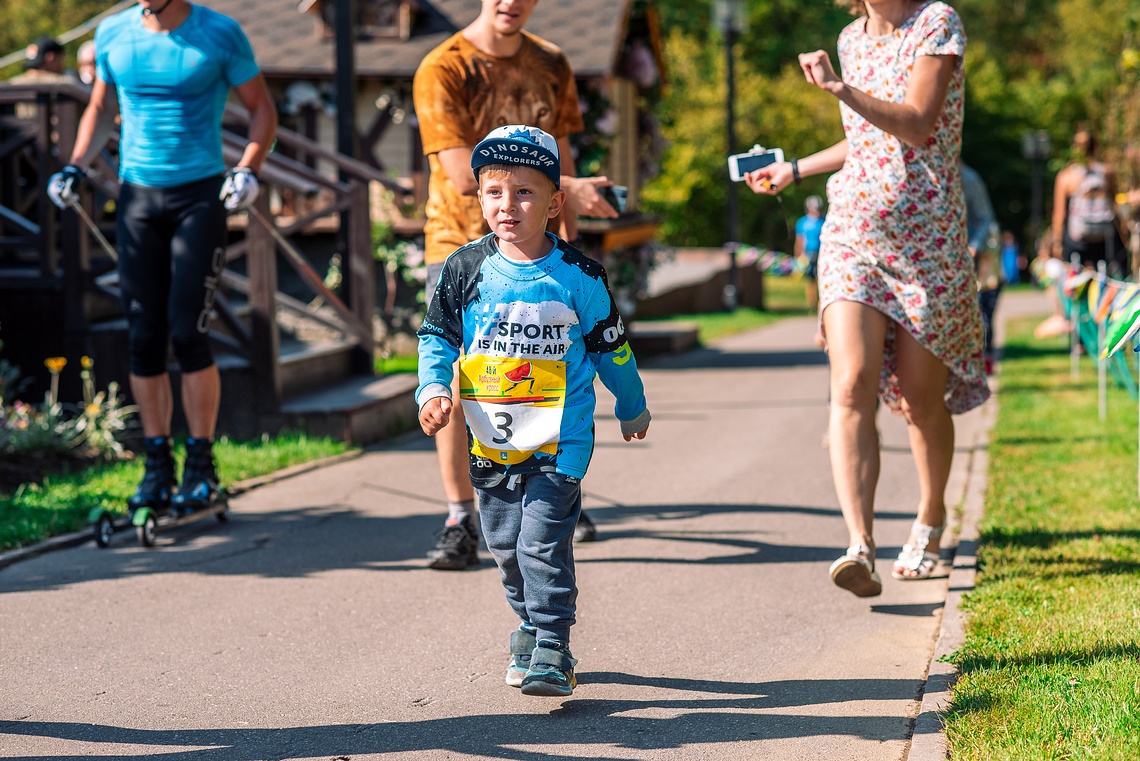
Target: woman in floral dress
x=898 y=300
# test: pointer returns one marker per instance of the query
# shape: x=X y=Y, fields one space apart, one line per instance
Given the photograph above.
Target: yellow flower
x=55 y=364
x=86 y=362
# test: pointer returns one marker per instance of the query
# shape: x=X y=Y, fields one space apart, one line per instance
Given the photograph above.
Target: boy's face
x=508 y=17
x=517 y=202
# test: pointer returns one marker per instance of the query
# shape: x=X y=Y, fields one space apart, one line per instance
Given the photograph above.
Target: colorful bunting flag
x=1104 y=308
x=1122 y=329
x=1074 y=285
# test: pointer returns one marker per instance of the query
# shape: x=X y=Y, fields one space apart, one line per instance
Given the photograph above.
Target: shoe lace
x=453 y=537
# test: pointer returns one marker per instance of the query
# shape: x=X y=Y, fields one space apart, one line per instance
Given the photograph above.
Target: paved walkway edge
x=929 y=740
x=76 y=538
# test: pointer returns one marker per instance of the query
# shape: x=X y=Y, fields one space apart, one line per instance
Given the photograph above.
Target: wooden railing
x=54 y=249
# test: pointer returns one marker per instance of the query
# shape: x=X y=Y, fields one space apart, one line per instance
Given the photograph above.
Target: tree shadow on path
x=648 y=724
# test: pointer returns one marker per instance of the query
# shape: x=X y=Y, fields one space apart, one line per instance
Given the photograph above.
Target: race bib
x=513 y=406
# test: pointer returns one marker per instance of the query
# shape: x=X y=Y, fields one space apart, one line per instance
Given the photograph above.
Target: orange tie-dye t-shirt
x=461 y=94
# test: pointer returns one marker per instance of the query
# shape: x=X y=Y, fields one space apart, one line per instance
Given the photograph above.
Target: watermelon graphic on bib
x=513 y=407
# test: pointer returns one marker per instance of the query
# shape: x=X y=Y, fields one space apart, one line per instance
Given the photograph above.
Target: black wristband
x=796 y=172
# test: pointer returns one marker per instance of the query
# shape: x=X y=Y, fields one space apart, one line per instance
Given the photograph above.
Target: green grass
x=398 y=363
x=783 y=297
x=1050 y=668
x=61 y=503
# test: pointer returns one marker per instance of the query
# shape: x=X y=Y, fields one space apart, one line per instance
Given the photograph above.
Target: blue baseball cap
x=522 y=145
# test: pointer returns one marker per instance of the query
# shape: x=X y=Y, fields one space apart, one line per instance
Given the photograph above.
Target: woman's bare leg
x=922 y=380
x=855 y=337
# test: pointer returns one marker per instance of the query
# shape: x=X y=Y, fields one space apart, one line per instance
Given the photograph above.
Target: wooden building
x=288 y=361
x=612 y=45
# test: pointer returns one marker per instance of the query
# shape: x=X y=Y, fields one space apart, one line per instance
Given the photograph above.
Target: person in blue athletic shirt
x=532 y=322
x=808 y=229
x=167 y=67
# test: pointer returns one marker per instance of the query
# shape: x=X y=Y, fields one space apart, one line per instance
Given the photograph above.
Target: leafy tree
x=25 y=20
x=780 y=110
x=1030 y=64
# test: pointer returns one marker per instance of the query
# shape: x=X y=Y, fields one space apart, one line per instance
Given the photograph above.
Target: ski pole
x=103 y=242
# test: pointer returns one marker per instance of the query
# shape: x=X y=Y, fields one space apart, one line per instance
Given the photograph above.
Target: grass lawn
x=397 y=363
x=61 y=503
x=1050 y=668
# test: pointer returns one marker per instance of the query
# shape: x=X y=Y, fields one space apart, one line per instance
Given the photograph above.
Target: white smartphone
x=740 y=164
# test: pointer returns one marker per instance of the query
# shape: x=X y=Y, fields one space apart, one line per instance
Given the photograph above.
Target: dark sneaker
x=522 y=645
x=199 y=487
x=157 y=485
x=585 y=531
x=456 y=548
x=551 y=672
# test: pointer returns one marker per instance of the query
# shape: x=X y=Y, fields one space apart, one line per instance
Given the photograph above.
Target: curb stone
x=76 y=538
x=928 y=742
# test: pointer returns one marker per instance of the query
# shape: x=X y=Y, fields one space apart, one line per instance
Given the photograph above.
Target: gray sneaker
x=522 y=645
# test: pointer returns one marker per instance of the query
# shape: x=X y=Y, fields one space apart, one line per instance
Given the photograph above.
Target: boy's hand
x=639 y=435
x=434 y=415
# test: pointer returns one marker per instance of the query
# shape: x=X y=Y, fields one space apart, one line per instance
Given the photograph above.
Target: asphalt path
x=309 y=628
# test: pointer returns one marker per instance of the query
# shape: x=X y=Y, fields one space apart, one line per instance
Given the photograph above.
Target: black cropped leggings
x=171 y=253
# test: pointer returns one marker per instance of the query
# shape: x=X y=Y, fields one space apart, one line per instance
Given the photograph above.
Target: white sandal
x=855 y=572
x=914 y=557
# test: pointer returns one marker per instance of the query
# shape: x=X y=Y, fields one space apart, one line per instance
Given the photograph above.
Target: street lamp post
x=1036 y=146
x=345 y=77
x=344 y=38
x=729 y=18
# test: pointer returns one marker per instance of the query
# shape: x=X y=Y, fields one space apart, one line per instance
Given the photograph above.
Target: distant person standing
x=85 y=62
x=981 y=238
x=43 y=62
x=167 y=67
x=1010 y=258
x=808 y=228
x=1084 y=208
x=488 y=74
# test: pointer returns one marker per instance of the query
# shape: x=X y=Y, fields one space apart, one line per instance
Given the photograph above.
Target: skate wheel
x=104 y=530
x=147 y=532
x=223 y=515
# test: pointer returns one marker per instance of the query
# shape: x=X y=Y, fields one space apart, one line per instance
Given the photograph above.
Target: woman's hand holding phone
x=770 y=180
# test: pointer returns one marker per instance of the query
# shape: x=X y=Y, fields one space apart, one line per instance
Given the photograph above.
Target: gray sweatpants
x=530 y=531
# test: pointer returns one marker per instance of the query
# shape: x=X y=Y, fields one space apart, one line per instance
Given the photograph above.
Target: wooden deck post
x=47 y=213
x=361 y=265
x=262 y=259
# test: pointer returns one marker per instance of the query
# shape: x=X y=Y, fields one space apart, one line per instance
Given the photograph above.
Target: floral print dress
x=895 y=237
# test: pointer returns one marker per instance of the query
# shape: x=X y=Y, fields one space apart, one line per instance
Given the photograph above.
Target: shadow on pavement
x=717 y=359
x=651 y=723
x=919 y=610
x=314 y=539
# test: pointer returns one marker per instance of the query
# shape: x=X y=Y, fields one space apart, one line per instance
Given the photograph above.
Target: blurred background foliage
x=25 y=20
x=1031 y=64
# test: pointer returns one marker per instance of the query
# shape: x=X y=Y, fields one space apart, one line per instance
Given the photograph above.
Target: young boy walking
x=532 y=322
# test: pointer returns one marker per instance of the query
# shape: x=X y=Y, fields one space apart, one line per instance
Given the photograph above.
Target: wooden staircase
x=285 y=362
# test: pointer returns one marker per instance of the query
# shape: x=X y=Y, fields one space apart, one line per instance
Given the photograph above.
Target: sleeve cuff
x=639 y=423
x=431 y=391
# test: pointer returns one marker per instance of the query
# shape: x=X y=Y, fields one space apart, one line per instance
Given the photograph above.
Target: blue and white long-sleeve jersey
x=530 y=338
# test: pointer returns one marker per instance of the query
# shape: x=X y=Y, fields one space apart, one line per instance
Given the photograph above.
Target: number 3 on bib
x=513 y=406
